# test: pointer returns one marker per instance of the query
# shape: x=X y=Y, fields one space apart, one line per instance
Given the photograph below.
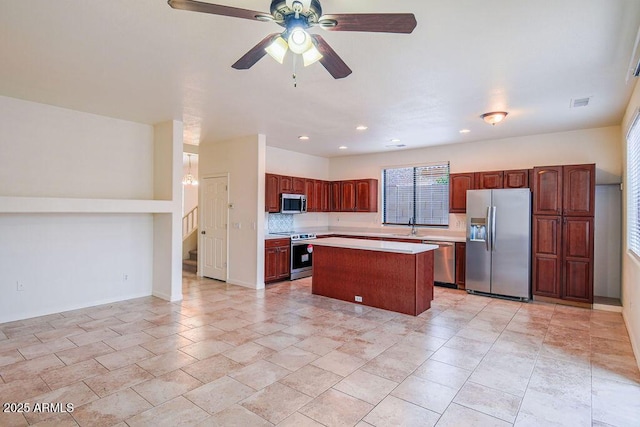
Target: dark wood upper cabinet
x=488 y=180
x=317 y=195
x=367 y=195
x=547 y=190
x=272 y=193
x=459 y=183
x=336 y=197
x=579 y=190
x=310 y=193
x=325 y=204
x=348 y=196
x=286 y=184
x=516 y=178
x=298 y=185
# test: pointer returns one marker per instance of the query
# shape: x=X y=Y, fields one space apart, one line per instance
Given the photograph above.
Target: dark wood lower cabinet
x=461 y=262
x=563 y=257
x=277 y=260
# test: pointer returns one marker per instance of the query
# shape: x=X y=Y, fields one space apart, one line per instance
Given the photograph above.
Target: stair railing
x=189 y=222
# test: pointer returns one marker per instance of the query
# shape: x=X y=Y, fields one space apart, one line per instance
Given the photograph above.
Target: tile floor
x=229 y=356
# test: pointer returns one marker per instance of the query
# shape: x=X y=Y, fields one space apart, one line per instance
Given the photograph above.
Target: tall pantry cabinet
x=563 y=210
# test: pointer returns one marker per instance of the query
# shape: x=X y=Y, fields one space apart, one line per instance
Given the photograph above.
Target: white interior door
x=214 y=227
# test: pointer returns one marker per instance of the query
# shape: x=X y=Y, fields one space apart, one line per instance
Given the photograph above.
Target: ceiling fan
x=296 y=16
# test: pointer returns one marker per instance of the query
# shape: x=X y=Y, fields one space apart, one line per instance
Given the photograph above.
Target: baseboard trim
x=634 y=345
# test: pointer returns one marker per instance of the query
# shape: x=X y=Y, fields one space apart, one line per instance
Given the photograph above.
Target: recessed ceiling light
x=303 y=138
x=342 y=147
x=396 y=146
x=465 y=131
x=362 y=127
x=395 y=140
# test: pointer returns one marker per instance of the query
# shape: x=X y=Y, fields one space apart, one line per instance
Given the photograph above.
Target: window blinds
x=633 y=187
x=420 y=193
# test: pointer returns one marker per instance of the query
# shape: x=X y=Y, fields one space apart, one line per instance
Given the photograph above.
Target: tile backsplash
x=280 y=223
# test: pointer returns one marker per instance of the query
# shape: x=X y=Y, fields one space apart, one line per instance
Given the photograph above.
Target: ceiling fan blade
x=255 y=54
x=216 y=9
x=370 y=22
x=330 y=59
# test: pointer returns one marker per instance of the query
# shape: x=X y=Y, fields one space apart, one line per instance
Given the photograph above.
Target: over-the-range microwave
x=293 y=203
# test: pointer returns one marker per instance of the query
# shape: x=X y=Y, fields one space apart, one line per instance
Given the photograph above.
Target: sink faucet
x=412 y=223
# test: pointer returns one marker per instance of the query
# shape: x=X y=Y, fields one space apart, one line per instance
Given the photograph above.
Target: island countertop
x=373 y=245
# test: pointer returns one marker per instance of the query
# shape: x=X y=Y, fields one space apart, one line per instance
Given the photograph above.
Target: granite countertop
x=406 y=235
x=372 y=245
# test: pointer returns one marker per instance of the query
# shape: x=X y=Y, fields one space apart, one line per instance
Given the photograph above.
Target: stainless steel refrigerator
x=498 y=250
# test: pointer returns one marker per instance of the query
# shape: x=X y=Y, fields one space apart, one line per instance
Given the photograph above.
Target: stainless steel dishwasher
x=444 y=263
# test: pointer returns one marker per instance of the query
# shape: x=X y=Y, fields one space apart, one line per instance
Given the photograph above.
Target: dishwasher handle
x=441 y=244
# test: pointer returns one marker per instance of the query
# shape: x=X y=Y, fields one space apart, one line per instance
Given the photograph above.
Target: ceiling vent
x=580 y=102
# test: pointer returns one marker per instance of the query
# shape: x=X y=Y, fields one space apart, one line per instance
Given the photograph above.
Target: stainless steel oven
x=301 y=256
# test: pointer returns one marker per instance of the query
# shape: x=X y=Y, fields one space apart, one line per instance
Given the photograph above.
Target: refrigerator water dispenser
x=478 y=230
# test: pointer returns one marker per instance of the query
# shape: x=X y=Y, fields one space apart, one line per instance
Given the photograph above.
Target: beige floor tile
x=126 y=357
x=298 y=420
x=230 y=324
x=212 y=368
x=364 y=350
x=18 y=342
x=29 y=329
x=390 y=368
x=117 y=380
x=93 y=336
x=167 y=362
x=239 y=336
x=10 y=357
x=461 y=358
x=235 y=416
x=430 y=395
x=397 y=412
x=339 y=363
x=111 y=409
x=423 y=341
x=615 y=403
x=166 y=330
x=77 y=394
x=85 y=352
x=60 y=377
x=59 y=420
x=125 y=341
x=442 y=373
x=56 y=334
x=565 y=380
x=311 y=380
x=21 y=390
x=100 y=324
x=365 y=386
x=267 y=327
x=276 y=402
x=319 y=345
x=167 y=344
x=176 y=412
x=492 y=402
x=248 y=353
x=45 y=348
x=132 y=327
x=166 y=387
x=457 y=415
x=218 y=395
x=13 y=419
x=408 y=353
x=277 y=341
x=202 y=333
x=292 y=358
x=204 y=349
x=259 y=374
x=29 y=368
x=541 y=408
x=334 y=408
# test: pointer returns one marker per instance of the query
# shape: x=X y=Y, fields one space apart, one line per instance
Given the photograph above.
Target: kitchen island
x=394 y=276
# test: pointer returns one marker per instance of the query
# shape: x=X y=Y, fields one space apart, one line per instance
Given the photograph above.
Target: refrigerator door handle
x=493 y=228
x=488 y=229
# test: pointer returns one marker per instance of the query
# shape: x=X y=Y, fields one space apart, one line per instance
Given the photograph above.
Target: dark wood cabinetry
x=272 y=193
x=359 y=195
x=459 y=183
x=518 y=178
x=489 y=180
x=563 y=207
x=461 y=260
x=277 y=259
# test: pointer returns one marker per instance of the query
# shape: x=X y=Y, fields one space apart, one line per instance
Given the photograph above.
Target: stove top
x=296 y=236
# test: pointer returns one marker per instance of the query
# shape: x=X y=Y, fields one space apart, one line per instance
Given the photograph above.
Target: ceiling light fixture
x=361 y=127
x=465 y=131
x=188 y=178
x=342 y=147
x=303 y=138
x=299 y=42
x=494 y=117
x=277 y=49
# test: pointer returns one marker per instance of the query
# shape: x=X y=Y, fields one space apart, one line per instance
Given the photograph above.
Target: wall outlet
x=125 y=277
x=19 y=286
x=358 y=298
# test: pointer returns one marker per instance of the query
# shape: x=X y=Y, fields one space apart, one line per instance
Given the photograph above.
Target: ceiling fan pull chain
x=295 y=81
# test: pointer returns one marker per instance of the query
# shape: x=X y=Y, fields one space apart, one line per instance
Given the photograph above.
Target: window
x=418 y=193
x=633 y=187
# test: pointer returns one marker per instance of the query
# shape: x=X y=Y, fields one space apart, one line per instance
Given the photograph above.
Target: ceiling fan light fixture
x=494 y=117
x=277 y=49
x=299 y=41
x=311 y=56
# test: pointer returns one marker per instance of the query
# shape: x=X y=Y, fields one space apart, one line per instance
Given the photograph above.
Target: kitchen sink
x=405 y=235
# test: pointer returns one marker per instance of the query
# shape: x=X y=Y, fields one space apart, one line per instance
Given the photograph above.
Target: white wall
x=630 y=263
x=607 y=266
x=284 y=162
x=243 y=159
x=68 y=260
x=190 y=192
x=56 y=152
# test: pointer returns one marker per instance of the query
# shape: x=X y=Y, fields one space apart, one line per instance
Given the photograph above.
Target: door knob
x=203 y=232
